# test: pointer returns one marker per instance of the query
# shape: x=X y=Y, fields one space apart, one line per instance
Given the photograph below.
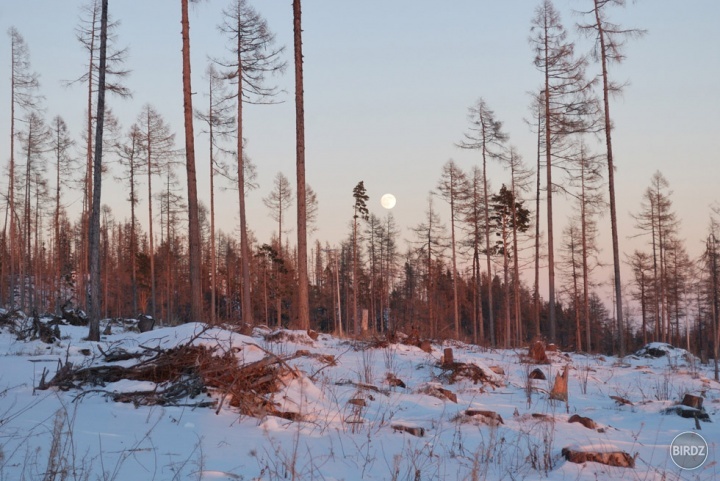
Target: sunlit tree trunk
x=193 y=215
x=303 y=296
x=94 y=233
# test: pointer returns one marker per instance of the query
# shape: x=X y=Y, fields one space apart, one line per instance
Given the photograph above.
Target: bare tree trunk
x=356 y=329
x=246 y=302
x=213 y=259
x=94 y=232
x=611 y=181
x=303 y=296
x=536 y=286
x=456 y=309
x=87 y=201
x=193 y=216
x=133 y=239
x=11 y=191
x=548 y=167
x=491 y=315
x=153 y=298
x=585 y=268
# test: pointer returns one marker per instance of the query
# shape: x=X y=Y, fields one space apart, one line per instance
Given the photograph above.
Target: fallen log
x=620 y=459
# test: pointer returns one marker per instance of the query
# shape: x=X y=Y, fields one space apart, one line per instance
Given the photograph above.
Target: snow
x=85 y=435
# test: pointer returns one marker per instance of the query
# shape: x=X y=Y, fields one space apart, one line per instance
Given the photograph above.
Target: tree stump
x=537 y=354
x=145 y=323
x=692 y=401
x=560 y=389
x=448 y=357
x=537 y=374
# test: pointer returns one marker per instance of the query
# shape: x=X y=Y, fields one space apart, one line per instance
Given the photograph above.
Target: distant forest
x=465 y=278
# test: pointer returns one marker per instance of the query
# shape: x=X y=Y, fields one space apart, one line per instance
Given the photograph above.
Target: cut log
x=358 y=402
x=688 y=413
x=490 y=415
x=394 y=381
x=620 y=459
x=449 y=395
x=587 y=422
x=498 y=370
x=414 y=430
x=621 y=400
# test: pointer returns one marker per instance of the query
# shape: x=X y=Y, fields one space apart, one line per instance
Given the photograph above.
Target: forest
x=477 y=273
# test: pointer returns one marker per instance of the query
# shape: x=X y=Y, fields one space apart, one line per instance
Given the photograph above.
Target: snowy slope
x=354 y=420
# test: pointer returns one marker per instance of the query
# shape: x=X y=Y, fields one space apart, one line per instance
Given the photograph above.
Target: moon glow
x=388 y=201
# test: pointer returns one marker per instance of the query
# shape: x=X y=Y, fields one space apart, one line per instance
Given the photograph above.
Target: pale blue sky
x=387 y=86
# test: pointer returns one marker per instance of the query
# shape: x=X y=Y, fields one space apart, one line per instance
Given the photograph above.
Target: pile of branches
x=183 y=372
x=458 y=371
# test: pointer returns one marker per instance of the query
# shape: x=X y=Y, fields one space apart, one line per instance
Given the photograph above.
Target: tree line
x=466 y=282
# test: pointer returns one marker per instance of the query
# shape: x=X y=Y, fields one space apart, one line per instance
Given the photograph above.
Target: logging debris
x=182 y=372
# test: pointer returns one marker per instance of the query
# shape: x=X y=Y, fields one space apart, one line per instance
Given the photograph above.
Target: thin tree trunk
x=11 y=190
x=585 y=255
x=213 y=260
x=303 y=295
x=548 y=167
x=536 y=286
x=247 y=316
x=355 y=278
x=491 y=315
x=611 y=180
x=193 y=215
x=56 y=226
x=456 y=309
x=576 y=298
x=133 y=236
x=94 y=237
x=153 y=299
x=87 y=201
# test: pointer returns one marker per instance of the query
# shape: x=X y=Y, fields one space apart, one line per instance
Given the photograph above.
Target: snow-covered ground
x=84 y=435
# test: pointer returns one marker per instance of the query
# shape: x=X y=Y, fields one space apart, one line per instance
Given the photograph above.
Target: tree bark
x=611 y=182
x=303 y=296
x=193 y=217
x=94 y=231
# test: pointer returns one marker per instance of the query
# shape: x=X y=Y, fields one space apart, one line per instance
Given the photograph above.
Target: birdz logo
x=688 y=450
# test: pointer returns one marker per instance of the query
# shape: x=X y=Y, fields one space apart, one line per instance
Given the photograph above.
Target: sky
x=387 y=87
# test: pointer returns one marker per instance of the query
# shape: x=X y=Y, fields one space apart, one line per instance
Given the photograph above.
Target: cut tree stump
x=560 y=389
x=448 y=358
x=537 y=374
x=620 y=459
x=692 y=401
x=536 y=353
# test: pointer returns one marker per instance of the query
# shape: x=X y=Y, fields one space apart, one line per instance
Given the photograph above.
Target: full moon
x=388 y=201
